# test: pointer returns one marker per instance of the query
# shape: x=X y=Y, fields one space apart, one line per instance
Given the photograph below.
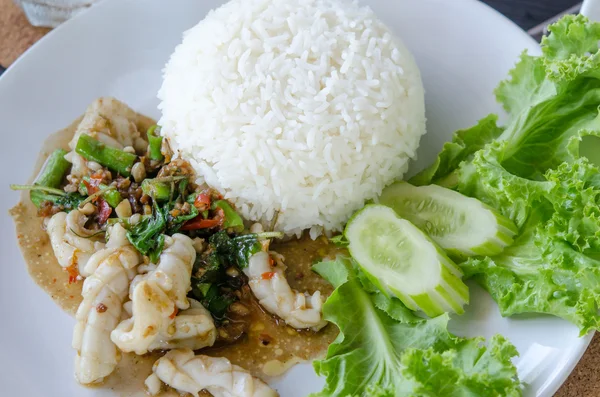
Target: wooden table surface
x=16 y=35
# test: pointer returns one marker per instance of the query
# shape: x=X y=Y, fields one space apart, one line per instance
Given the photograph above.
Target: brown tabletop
x=16 y=36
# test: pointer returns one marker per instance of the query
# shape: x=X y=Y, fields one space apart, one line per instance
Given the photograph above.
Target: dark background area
x=530 y=13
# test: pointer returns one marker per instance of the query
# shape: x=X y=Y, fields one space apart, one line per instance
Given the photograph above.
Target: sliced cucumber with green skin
x=461 y=225
x=402 y=260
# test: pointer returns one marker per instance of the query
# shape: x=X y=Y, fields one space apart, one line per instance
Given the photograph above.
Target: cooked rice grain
x=307 y=107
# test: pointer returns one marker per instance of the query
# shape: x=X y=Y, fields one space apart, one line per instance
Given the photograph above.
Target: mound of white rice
x=303 y=107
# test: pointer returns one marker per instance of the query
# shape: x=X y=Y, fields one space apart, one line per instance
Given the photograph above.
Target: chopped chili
x=175 y=311
x=268 y=275
x=47 y=208
x=92 y=186
x=201 y=223
x=104 y=210
x=202 y=201
x=97 y=178
x=73 y=269
x=89 y=187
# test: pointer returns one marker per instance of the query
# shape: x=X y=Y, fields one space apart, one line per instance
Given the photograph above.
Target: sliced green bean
x=114 y=159
x=159 y=191
x=154 y=144
x=232 y=219
x=51 y=176
x=101 y=192
x=112 y=197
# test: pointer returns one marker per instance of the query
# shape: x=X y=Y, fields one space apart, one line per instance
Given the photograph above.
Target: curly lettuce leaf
x=469 y=368
x=384 y=349
x=540 y=173
x=551 y=99
x=571 y=50
x=462 y=147
x=572 y=36
x=554 y=265
x=526 y=85
x=547 y=110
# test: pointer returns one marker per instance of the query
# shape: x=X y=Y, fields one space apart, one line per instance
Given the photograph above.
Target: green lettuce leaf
x=541 y=173
x=384 y=349
x=462 y=147
x=554 y=265
x=571 y=50
x=571 y=37
x=526 y=85
x=547 y=111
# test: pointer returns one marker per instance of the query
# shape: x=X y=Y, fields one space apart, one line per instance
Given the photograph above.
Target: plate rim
x=582 y=343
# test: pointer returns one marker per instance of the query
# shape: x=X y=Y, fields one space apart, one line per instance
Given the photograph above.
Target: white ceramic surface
x=119 y=47
x=591 y=9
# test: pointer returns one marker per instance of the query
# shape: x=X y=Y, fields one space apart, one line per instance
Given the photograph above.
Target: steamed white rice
x=303 y=107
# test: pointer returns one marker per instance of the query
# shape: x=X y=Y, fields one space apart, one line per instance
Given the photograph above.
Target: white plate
x=119 y=47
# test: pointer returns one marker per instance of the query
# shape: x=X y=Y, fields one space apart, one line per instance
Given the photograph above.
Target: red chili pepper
x=268 y=275
x=90 y=187
x=200 y=223
x=175 y=311
x=73 y=270
x=97 y=177
x=202 y=201
x=93 y=184
x=104 y=210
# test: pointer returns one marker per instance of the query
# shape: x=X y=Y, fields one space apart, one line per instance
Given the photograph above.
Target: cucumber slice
x=461 y=225
x=400 y=259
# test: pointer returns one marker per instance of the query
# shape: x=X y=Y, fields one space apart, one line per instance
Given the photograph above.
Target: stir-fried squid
x=192 y=328
x=112 y=123
x=79 y=166
x=185 y=372
x=156 y=298
x=72 y=243
x=171 y=272
x=110 y=269
x=269 y=285
x=174 y=269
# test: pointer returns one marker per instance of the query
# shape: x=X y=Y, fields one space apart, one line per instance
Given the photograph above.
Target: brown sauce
x=271 y=347
x=34 y=242
x=268 y=349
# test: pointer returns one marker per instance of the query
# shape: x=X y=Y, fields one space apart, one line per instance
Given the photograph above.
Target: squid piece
x=174 y=269
x=110 y=272
x=156 y=325
x=269 y=285
x=72 y=243
x=185 y=372
x=157 y=296
x=79 y=165
x=113 y=123
x=193 y=328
